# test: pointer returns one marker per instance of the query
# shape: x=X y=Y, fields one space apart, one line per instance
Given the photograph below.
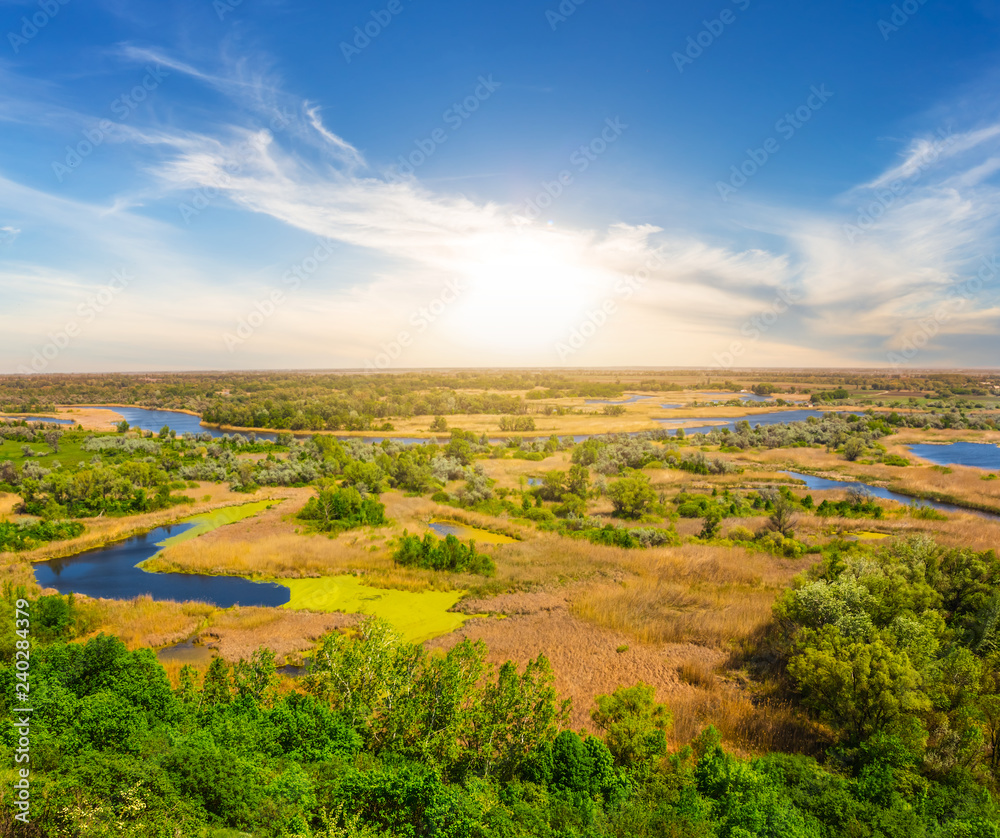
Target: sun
x=526 y=293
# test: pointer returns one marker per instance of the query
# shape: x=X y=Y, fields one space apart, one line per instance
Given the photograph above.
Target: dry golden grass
x=8 y=503
x=703 y=594
x=92 y=418
x=585 y=658
x=746 y=727
x=274 y=544
x=237 y=633
x=698 y=674
x=638 y=416
x=143 y=621
x=104 y=530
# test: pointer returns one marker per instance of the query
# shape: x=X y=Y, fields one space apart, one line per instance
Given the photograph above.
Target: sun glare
x=526 y=293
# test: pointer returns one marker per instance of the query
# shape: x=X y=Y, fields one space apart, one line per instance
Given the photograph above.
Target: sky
x=275 y=184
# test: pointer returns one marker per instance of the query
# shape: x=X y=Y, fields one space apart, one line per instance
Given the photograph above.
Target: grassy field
x=70 y=452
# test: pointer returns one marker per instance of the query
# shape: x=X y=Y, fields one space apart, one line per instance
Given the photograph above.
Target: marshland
x=622 y=554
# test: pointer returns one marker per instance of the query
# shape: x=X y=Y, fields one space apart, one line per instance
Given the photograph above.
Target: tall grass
x=142 y=621
x=745 y=727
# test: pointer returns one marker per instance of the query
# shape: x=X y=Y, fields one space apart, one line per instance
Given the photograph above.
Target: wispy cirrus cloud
x=523 y=286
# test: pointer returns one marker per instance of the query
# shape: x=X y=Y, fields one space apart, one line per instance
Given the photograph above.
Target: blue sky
x=397 y=184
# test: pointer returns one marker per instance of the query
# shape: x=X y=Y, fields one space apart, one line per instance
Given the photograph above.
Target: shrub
x=450 y=554
x=335 y=510
x=740 y=534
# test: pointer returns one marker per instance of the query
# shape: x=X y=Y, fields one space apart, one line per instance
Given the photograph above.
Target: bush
x=449 y=554
x=632 y=495
x=16 y=537
x=336 y=510
x=740 y=534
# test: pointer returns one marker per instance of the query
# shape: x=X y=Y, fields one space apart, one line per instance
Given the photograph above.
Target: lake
x=974 y=454
x=111 y=572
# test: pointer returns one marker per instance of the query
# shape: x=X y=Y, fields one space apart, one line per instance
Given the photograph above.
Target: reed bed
x=746 y=727
x=142 y=621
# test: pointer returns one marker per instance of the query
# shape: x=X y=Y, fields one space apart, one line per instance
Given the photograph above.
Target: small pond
x=464 y=532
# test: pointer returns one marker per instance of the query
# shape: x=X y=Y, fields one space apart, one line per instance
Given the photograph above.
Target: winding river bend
x=823 y=484
x=111 y=572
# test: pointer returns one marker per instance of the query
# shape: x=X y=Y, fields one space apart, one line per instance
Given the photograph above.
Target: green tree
x=217 y=685
x=860 y=686
x=634 y=725
x=632 y=495
x=853 y=448
x=578 y=482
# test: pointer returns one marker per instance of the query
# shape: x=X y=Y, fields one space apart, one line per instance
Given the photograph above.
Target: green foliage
x=335 y=510
x=634 y=725
x=17 y=537
x=392 y=740
x=856 y=505
x=896 y=645
x=632 y=496
x=449 y=554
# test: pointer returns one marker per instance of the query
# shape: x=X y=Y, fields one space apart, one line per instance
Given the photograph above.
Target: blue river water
x=778 y=418
x=111 y=572
x=51 y=420
x=743 y=397
x=181 y=423
x=975 y=454
x=632 y=399
x=822 y=484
